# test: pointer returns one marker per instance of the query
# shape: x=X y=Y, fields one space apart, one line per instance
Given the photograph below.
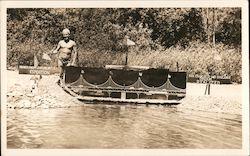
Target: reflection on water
x=106 y=126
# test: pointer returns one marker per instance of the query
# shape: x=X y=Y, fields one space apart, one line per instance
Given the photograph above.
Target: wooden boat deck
x=125 y=101
x=121 y=101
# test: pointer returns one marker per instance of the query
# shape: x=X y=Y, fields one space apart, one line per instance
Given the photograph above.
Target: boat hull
x=139 y=86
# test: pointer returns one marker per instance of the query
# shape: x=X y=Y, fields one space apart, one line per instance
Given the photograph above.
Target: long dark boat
x=125 y=84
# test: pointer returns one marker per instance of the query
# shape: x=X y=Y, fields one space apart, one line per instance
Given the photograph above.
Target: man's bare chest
x=68 y=45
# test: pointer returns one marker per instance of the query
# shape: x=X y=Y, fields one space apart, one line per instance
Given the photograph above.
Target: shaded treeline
x=100 y=36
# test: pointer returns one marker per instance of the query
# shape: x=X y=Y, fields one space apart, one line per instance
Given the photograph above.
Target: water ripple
x=102 y=126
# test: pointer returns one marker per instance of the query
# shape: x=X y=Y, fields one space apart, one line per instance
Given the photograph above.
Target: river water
x=117 y=126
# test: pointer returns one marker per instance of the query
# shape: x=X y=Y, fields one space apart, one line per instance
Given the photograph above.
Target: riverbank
x=222 y=98
x=47 y=94
x=23 y=93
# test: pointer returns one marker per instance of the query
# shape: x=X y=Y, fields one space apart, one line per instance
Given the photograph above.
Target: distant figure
x=67 y=53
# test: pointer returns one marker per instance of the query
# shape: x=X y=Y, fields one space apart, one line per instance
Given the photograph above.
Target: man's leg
x=60 y=65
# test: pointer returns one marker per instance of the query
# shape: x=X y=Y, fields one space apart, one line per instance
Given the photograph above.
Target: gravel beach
x=47 y=94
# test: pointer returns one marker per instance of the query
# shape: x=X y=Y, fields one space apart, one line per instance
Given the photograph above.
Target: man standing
x=67 y=53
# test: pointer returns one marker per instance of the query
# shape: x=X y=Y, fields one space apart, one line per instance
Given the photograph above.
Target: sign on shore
x=38 y=70
x=209 y=79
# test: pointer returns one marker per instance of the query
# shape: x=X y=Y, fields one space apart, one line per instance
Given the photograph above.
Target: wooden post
x=126 y=59
x=208 y=91
x=205 y=90
x=208 y=83
x=129 y=43
x=177 y=66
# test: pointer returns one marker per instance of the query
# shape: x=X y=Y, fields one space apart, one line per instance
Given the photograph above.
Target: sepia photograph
x=132 y=77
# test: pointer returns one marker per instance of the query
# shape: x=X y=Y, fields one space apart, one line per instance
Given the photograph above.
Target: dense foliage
x=163 y=36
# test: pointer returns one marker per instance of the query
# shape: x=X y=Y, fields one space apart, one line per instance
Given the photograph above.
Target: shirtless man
x=67 y=52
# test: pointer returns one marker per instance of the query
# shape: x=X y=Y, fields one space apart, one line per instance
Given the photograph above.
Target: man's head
x=66 y=34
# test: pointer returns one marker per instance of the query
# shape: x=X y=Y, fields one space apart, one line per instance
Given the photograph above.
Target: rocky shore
x=23 y=93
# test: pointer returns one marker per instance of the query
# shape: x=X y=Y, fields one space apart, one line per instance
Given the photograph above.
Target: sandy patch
x=222 y=98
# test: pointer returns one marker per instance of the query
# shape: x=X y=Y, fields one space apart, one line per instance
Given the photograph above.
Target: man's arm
x=74 y=55
x=57 y=48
